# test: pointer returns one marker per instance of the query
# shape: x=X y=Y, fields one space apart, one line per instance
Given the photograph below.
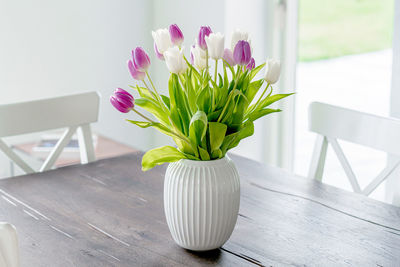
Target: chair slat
x=345 y=164
x=51 y=159
x=48 y=114
x=380 y=178
x=15 y=158
x=357 y=127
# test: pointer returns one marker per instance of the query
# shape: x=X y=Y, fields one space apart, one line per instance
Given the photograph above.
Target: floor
x=360 y=82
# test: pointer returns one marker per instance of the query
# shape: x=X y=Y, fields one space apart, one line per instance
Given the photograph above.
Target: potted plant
x=206 y=113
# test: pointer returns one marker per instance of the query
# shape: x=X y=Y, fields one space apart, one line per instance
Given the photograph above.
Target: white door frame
x=280 y=130
x=393 y=183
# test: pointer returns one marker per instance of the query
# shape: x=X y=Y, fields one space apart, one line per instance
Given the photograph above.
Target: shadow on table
x=211 y=255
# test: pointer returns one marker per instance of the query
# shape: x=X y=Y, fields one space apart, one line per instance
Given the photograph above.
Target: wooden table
x=109 y=213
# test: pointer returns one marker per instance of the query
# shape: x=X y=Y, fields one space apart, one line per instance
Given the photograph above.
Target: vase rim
x=189 y=162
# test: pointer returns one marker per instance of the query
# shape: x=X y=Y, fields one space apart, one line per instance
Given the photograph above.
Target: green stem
x=152 y=93
x=216 y=72
x=207 y=61
x=156 y=93
x=229 y=99
x=151 y=82
x=226 y=105
x=259 y=99
x=143 y=116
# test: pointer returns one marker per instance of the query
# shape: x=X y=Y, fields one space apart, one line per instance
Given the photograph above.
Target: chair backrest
x=9 y=253
x=74 y=112
x=332 y=123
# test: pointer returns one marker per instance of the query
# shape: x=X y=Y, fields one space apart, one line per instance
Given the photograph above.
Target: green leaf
x=178 y=104
x=141 y=124
x=216 y=154
x=203 y=154
x=161 y=128
x=191 y=94
x=198 y=127
x=160 y=155
x=253 y=89
x=144 y=92
x=221 y=83
x=272 y=99
x=246 y=131
x=204 y=100
x=166 y=101
x=217 y=134
x=227 y=142
x=153 y=108
x=260 y=113
x=254 y=72
x=213 y=116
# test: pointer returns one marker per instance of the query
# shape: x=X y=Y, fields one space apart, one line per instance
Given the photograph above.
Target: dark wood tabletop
x=110 y=213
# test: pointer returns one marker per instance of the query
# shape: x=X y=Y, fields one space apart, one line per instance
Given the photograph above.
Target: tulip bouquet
x=207 y=112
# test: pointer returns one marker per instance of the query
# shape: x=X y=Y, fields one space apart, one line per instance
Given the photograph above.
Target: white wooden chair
x=74 y=112
x=332 y=123
x=9 y=252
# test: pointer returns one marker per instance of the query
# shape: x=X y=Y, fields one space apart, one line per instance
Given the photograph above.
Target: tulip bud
x=251 y=65
x=141 y=60
x=176 y=34
x=174 y=60
x=198 y=57
x=122 y=100
x=215 y=44
x=242 y=53
x=158 y=54
x=228 y=57
x=238 y=35
x=162 y=39
x=272 y=71
x=204 y=31
x=137 y=75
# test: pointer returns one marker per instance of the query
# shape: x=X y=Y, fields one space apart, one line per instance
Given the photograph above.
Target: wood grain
x=110 y=213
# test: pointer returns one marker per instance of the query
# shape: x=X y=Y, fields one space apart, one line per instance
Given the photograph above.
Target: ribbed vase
x=201 y=202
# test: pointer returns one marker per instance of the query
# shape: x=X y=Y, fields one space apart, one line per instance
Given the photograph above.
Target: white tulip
x=162 y=39
x=238 y=35
x=272 y=71
x=175 y=61
x=199 y=57
x=215 y=43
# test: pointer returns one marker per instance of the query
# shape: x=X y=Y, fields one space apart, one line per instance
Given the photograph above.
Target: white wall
x=50 y=48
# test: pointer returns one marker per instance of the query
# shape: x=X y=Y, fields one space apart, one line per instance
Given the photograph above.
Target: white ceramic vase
x=201 y=202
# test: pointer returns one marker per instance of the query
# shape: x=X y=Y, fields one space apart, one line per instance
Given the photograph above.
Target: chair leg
x=86 y=144
x=392 y=186
x=318 y=159
x=9 y=254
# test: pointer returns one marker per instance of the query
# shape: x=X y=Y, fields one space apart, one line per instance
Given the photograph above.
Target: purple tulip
x=141 y=60
x=228 y=57
x=204 y=31
x=137 y=75
x=158 y=54
x=176 y=34
x=242 y=53
x=251 y=65
x=122 y=100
